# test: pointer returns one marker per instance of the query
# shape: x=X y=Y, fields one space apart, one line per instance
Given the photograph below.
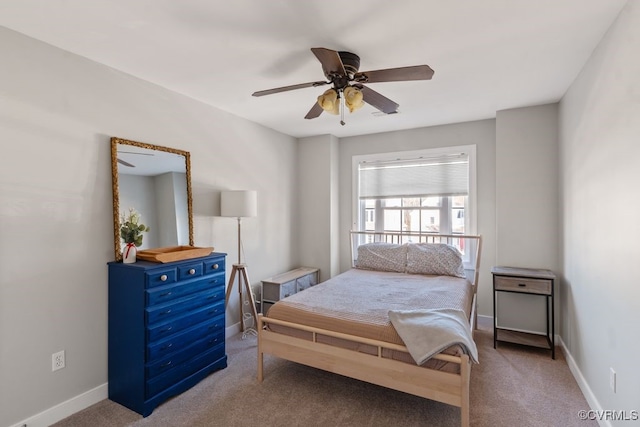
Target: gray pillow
x=382 y=257
x=437 y=259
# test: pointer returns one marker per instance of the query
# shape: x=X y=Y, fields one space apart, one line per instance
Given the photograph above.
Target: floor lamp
x=240 y=204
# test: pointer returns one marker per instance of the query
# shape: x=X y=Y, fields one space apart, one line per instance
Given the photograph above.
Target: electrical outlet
x=57 y=361
x=612 y=379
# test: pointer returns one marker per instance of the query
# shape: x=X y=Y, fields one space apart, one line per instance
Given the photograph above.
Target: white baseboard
x=485 y=320
x=582 y=383
x=67 y=408
x=232 y=330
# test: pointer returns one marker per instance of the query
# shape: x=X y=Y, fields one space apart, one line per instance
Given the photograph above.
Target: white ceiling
x=488 y=55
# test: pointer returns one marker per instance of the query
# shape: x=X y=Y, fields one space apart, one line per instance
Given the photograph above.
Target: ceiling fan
x=127 y=164
x=348 y=89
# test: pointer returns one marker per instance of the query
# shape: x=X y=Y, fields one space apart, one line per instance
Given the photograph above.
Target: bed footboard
x=445 y=387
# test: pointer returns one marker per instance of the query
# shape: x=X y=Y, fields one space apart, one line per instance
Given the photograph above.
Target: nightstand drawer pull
x=166 y=294
x=166 y=312
x=215 y=266
x=164 y=365
x=192 y=271
x=167 y=329
x=163 y=278
x=168 y=346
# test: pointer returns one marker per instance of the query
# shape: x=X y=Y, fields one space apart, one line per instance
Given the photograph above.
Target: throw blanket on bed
x=428 y=332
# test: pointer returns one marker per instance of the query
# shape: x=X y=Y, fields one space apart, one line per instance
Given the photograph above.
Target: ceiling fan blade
x=122 y=162
x=381 y=102
x=418 y=72
x=287 y=88
x=314 y=112
x=330 y=60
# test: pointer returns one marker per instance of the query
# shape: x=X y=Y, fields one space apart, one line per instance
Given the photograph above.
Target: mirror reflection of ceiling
x=148 y=162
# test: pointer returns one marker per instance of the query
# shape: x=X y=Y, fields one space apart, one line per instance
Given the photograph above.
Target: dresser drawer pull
x=167 y=329
x=213 y=326
x=215 y=266
x=213 y=341
x=164 y=365
x=192 y=271
x=166 y=312
x=163 y=278
x=214 y=296
x=166 y=294
x=214 y=311
x=522 y=285
x=167 y=347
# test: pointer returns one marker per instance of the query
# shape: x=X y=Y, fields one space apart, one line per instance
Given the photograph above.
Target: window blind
x=439 y=176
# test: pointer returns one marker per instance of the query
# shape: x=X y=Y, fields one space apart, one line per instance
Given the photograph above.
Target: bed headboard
x=469 y=245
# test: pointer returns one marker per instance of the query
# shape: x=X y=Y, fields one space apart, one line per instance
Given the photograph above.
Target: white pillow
x=437 y=259
x=382 y=257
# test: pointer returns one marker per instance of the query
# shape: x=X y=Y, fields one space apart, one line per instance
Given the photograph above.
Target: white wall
x=527 y=206
x=600 y=201
x=480 y=133
x=57 y=113
x=318 y=222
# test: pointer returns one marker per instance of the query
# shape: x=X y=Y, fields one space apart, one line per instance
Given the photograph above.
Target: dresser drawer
x=188 y=350
x=526 y=285
x=180 y=306
x=210 y=328
x=190 y=271
x=176 y=324
x=162 y=381
x=275 y=292
x=214 y=266
x=162 y=294
x=161 y=277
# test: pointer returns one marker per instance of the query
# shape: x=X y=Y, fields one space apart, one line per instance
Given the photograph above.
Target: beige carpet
x=512 y=386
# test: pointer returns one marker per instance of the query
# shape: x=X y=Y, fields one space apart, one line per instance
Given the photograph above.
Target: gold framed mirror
x=156 y=182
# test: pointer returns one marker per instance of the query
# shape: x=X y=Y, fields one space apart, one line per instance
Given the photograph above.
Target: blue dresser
x=166 y=328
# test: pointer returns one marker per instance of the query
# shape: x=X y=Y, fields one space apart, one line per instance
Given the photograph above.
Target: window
x=425 y=192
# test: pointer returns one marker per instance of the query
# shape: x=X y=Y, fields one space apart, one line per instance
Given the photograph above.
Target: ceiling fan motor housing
x=351 y=62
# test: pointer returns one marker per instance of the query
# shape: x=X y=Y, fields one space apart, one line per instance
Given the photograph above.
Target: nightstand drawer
x=526 y=285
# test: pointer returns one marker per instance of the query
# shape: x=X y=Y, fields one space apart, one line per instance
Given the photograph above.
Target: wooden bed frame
x=450 y=388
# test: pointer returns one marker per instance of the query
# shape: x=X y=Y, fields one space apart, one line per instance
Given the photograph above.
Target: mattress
x=357 y=302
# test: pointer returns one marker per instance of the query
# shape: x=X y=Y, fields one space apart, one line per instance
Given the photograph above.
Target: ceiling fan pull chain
x=341 y=95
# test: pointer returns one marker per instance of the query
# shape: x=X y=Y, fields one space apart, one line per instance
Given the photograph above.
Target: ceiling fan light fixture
x=329 y=101
x=353 y=98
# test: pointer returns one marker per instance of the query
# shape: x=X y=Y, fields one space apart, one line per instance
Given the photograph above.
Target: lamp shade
x=239 y=203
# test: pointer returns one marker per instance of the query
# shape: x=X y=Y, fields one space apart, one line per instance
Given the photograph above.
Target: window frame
x=470 y=209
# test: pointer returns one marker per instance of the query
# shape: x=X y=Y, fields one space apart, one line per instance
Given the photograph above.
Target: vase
x=129 y=253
